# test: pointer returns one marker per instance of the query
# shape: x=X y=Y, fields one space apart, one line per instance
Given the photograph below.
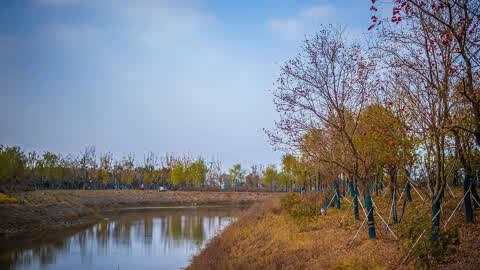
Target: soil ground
x=43 y=210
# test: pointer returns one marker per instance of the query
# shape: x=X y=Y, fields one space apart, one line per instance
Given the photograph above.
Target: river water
x=134 y=238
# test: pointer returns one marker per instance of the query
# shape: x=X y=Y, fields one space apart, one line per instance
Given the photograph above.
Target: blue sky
x=163 y=76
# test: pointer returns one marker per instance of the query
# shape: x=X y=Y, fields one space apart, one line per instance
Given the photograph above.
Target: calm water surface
x=136 y=238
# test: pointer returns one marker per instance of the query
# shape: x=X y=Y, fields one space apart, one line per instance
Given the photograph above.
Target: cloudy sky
x=152 y=75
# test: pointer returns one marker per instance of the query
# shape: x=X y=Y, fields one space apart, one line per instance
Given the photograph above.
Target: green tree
x=105 y=167
x=178 y=174
x=270 y=176
x=198 y=172
x=49 y=168
x=236 y=174
x=289 y=165
x=12 y=164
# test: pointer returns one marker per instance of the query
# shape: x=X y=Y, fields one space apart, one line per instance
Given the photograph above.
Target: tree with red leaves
x=457 y=24
x=421 y=74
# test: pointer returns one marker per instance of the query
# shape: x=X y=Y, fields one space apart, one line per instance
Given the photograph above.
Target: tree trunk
x=355 y=202
x=408 y=194
x=467 y=200
x=371 y=221
x=455 y=178
x=394 y=198
x=435 y=220
x=393 y=178
x=337 y=195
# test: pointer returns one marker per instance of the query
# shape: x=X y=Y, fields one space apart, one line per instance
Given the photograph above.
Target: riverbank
x=38 y=211
x=268 y=237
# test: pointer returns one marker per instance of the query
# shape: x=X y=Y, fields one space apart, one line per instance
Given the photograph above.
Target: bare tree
x=419 y=81
x=322 y=92
x=87 y=161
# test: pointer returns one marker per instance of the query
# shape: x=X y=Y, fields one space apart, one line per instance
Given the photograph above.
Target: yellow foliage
x=147 y=178
x=5 y=199
x=104 y=177
x=123 y=178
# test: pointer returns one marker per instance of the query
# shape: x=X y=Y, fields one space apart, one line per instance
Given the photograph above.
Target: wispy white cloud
x=303 y=21
x=320 y=11
x=151 y=24
x=289 y=28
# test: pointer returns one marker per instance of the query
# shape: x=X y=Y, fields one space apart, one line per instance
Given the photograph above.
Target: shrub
x=289 y=201
x=301 y=207
x=426 y=252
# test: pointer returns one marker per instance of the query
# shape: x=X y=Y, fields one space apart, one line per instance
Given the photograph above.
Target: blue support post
x=435 y=221
x=394 y=198
x=468 y=202
x=408 y=193
x=350 y=187
x=326 y=206
x=337 y=194
x=371 y=221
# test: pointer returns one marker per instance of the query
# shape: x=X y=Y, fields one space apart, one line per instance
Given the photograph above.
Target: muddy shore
x=40 y=211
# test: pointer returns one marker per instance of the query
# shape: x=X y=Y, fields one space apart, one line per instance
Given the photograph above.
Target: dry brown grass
x=267 y=237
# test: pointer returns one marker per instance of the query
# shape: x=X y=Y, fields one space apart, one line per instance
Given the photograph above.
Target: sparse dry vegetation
x=268 y=236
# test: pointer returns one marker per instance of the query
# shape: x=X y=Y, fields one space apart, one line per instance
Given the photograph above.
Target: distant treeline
x=86 y=170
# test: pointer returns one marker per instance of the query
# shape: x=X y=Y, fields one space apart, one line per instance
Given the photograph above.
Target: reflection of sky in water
x=151 y=239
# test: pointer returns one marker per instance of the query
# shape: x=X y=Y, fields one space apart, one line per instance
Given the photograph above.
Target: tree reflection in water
x=147 y=237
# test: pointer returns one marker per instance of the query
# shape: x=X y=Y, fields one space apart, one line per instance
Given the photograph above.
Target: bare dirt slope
x=38 y=211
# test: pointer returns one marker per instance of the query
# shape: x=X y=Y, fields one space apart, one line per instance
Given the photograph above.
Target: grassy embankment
x=40 y=211
x=291 y=234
